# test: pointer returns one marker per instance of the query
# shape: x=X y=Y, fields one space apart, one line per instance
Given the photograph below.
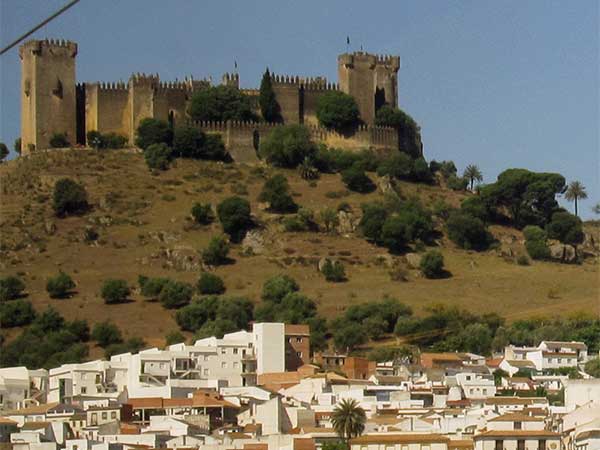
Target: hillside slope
x=143 y=225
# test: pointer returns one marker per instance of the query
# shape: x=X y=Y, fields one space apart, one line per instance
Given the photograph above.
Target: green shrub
x=158 y=156
x=3 y=151
x=153 y=131
x=16 y=314
x=476 y=207
x=441 y=209
x=420 y=171
x=69 y=198
x=432 y=264
x=337 y=110
x=395 y=234
x=457 y=183
x=349 y=336
x=216 y=252
x=11 y=288
x=409 y=132
x=174 y=337
x=234 y=215
x=307 y=170
x=276 y=192
x=287 y=146
x=210 y=284
x=303 y=221
x=333 y=271
x=17 y=146
x=59 y=140
x=267 y=100
x=106 y=333
x=60 y=286
x=203 y=213
x=357 y=180
x=114 y=291
x=175 y=294
x=373 y=218
x=98 y=140
x=467 y=231
x=151 y=287
x=592 y=368
x=523 y=260
x=398 y=166
x=277 y=287
x=535 y=242
x=221 y=103
x=566 y=227
x=189 y=142
x=537 y=249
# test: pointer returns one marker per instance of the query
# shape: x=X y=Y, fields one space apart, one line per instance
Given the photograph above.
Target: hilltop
x=143 y=227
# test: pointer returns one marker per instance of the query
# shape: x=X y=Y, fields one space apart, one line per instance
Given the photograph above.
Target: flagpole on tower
x=347 y=44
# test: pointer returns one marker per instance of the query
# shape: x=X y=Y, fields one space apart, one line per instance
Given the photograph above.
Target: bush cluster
x=115 y=291
x=338 y=111
x=99 y=140
x=11 y=287
x=432 y=264
x=234 y=215
x=216 y=252
x=47 y=342
x=60 y=286
x=69 y=198
x=59 y=140
x=276 y=192
x=397 y=224
x=203 y=213
x=333 y=271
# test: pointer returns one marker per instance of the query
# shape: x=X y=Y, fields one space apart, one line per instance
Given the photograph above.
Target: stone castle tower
x=48 y=99
x=371 y=79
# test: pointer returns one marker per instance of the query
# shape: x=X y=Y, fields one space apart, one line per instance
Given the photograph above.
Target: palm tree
x=348 y=419
x=596 y=208
x=574 y=192
x=472 y=173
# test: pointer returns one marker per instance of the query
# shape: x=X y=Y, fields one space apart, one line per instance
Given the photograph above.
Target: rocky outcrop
x=182 y=258
x=563 y=253
x=347 y=222
x=413 y=260
x=254 y=242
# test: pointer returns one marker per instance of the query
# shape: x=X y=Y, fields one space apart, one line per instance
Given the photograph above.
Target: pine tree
x=269 y=107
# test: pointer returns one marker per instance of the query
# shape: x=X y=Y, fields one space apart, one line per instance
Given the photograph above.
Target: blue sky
x=498 y=84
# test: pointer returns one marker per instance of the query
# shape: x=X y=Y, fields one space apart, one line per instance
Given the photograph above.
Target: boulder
x=183 y=258
x=413 y=260
x=254 y=242
x=49 y=227
x=563 y=253
x=347 y=222
x=386 y=185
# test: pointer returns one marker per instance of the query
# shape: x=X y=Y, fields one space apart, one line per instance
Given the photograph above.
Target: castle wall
x=107 y=108
x=170 y=102
x=48 y=99
x=287 y=94
x=242 y=139
x=310 y=94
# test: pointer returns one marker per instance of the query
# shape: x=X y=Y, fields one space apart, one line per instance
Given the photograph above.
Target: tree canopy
x=221 y=103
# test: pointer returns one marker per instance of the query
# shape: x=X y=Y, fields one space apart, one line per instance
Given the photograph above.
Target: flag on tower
x=235 y=64
x=348 y=40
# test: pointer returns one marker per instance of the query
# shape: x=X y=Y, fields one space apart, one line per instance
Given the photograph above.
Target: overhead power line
x=40 y=25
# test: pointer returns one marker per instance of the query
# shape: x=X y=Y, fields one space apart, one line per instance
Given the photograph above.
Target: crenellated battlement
x=58 y=47
x=119 y=86
x=142 y=79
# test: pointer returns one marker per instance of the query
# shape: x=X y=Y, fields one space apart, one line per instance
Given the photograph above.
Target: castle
x=53 y=102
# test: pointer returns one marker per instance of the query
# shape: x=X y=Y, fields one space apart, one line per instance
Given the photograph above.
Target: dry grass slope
x=143 y=226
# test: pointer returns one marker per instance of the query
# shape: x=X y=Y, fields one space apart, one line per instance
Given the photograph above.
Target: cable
x=37 y=27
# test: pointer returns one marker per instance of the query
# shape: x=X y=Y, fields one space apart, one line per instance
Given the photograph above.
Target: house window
x=299 y=340
x=223 y=351
x=235 y=351
x=113 y=415
x=83 y=390
x=94 y=419
x=484 y=392
x=206 y=372
x=299 y=354
x=235 y=365
x=205 y=357
x=104 y=415
x=520 y=444
x=518 y=426
x=499 y=445
x=559 y=360
x=542 y=444
x=223 y=365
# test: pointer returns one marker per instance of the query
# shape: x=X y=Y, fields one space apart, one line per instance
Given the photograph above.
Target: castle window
x=58 y=89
